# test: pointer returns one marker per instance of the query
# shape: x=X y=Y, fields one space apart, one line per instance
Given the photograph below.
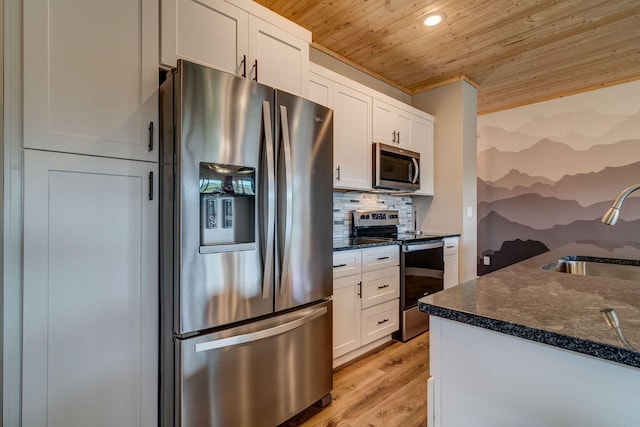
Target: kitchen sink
x=602 y=267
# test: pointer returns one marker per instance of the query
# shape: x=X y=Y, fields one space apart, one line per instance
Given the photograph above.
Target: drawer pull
x=383 y=286
x=339 y=265
x=450 y=247
x=380 y=322
x=380 y=258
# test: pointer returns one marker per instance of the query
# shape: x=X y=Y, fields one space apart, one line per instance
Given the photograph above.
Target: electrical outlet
x=487 y=260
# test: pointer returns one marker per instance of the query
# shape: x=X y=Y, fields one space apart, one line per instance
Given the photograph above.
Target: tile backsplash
x=344 y=203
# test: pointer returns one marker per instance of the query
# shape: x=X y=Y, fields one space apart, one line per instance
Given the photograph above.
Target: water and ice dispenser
x=227 y=208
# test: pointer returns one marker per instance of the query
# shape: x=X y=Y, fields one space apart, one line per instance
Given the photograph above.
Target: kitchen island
x=529 y=346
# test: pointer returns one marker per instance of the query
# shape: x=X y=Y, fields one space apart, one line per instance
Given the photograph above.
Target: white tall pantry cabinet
x=90 y=288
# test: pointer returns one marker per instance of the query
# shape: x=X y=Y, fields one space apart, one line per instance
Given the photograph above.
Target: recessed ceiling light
x=433 y=19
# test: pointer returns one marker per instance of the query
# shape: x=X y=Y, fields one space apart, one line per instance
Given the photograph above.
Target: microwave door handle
x=376 y=167
x=417 y=169
x=286 y=142
x=269 y=240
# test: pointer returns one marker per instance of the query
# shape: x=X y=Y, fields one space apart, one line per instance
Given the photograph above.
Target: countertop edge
x=579 y=345
x=365 y=245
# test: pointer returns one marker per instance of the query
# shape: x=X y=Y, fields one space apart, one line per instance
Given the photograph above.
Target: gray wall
x=455 y=109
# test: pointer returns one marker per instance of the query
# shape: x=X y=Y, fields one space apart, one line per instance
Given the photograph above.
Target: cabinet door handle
x=360 y=289
x=244 y=66
x=151 y=185
x=394 y=136
x=338 y=170
x=380 y=258
x=150 y=136
x=380 y=322
x=398 y=137
x=255 y=67
x=339 y=265
x=383 y=286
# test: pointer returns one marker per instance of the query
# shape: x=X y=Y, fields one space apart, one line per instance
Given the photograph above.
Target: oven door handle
x=422 y=246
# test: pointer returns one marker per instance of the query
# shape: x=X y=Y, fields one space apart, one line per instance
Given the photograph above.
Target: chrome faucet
x=611 y=216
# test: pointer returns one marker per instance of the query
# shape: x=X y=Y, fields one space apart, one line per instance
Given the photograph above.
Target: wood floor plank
x=385 y=388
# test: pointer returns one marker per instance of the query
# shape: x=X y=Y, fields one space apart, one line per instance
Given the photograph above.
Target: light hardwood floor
x=386 y=388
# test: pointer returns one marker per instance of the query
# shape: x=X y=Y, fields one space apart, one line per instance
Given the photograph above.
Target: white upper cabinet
x=351 y=139
x=422 y=132
x=391 y=125
x=407 y=127
x=210 y=32
x=279 y=59
x=91 y=77
x=352 y=110
x=241 y=38
x=363 y=116
x=321 y=90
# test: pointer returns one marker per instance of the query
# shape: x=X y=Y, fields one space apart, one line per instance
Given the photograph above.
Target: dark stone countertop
x=559 y=309
x=350 y=243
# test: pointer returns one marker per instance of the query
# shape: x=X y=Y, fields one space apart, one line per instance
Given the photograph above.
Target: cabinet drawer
x=450 y=246
x=380 y=286
x=379 y=321
x=380 y=257
x=346 y=263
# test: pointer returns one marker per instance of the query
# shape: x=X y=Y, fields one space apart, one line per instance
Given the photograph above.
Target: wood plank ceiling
x=515 y=51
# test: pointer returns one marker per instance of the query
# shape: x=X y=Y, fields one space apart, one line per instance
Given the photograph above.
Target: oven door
x=423 y=271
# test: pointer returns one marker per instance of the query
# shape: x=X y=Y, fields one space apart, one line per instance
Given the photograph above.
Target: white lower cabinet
x=366 y=288
x=450 y=255
x=90 y=303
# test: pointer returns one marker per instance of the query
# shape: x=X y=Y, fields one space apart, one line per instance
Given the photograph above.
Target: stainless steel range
x=421 y=264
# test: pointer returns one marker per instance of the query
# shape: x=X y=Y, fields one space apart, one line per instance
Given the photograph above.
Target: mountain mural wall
x=547 y=172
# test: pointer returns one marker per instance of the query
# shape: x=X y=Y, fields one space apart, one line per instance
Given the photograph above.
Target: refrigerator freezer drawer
x=259 y=374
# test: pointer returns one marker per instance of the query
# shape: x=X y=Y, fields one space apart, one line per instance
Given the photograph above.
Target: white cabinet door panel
x=346 y=315
x=404 y=136
x=380 y=286
x=423 y=143
x=380 y=320
x=352 y=139
x=282 y=60
x=384 y=122
x=90 y=343
x=209 y=32
x=321 y=90
x=91 y=77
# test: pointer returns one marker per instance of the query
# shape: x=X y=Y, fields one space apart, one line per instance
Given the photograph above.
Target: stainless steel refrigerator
x=246 y=251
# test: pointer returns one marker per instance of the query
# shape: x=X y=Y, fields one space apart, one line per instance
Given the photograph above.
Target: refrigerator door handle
x=259 y=335
x=267 y=276
x=284 y=123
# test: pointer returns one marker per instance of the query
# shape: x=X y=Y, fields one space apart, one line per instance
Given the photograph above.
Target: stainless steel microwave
x=395 y=168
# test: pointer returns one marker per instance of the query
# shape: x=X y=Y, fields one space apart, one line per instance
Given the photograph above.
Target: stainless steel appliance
x=395 y=168
x=421 y=265
x=245 y=255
